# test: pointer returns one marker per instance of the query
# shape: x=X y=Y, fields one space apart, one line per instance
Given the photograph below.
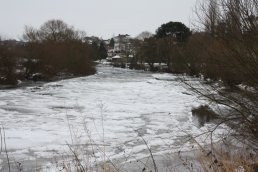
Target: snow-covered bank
x=40 y=120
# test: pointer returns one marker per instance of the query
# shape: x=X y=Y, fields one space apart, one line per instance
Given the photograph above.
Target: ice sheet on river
x=129 y=103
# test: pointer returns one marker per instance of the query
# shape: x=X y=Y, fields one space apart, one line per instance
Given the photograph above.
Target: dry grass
x=224 y=156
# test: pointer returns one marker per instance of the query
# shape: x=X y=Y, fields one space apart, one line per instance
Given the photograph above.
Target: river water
x=107 y=114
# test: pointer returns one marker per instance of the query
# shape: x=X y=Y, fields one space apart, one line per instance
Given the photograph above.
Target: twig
x=77 y=159
x=1 y=140
x=153 y=160
x=6 y=152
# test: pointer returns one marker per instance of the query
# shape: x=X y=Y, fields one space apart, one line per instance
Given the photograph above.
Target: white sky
x=103 y=18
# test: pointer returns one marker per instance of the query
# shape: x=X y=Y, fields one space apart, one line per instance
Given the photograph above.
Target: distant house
x=122 y=46
x=12 y=43
x=122 y=43
x=106 y=42
x=92 y=39
x=111 y=52
x=122 y=51
x=119 y=60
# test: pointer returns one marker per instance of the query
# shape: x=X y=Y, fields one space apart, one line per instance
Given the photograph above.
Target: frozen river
x=108 y=112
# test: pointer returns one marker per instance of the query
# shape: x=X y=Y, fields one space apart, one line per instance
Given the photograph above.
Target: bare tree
x=230 y=55
x=58 y=48
x=53 y=30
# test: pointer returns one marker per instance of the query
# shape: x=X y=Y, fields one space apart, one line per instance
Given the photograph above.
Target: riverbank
x=39 y=81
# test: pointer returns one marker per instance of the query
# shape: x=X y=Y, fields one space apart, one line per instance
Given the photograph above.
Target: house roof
x=116 y=57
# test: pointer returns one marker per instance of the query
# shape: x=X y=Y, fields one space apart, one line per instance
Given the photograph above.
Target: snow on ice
x=125 y=104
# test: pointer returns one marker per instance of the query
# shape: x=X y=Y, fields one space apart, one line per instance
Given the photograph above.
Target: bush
x=57 y=47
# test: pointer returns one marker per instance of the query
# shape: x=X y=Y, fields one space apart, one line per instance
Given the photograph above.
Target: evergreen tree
x=102 y=50
x=112 y=43
x=173 y=28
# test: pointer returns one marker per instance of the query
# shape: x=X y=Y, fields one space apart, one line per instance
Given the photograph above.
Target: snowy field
x=112 y=109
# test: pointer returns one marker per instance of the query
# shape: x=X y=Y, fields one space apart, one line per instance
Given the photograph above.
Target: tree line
x=46 y=53
x=225 y=48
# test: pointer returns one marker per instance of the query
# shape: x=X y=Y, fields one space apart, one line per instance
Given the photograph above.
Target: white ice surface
x=129 y=103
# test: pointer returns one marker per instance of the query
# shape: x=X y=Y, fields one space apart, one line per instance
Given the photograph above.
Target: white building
x=122 y=43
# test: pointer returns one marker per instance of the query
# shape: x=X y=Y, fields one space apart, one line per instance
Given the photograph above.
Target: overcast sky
x=103 y=18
